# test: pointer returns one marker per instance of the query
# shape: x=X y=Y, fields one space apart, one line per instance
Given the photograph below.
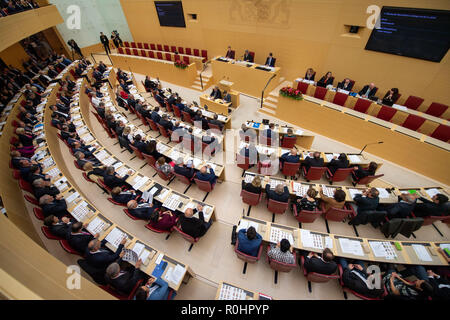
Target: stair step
x=269 y=105
x=198 y=82
x=196 y=87
x=267 y=111
x=272 y=99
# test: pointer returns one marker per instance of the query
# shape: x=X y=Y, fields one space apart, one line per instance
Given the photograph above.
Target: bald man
x=368 y=91
x=195 y=227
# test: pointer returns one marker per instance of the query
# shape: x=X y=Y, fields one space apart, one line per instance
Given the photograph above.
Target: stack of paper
x=432 y=192
x=354 y=192
x=277 y=234
x=331 y=155
x=97 y=225
x=249 y=178
x=383 y=193
x=141 y=182
x=422 y=252
x=231 y=293
x=383 y=249
x=329 y=192
x=274 y=183
x=354 y=158
x=115 y=237
x=351 y=246
x=245 y=224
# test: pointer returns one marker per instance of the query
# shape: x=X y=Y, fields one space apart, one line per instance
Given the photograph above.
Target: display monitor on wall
x=170 y=13
x=416 y=33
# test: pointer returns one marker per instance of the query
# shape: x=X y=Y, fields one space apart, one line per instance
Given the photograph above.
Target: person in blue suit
x=154 y=289
x=205 y=176
x=249 y=241
x=292 y=157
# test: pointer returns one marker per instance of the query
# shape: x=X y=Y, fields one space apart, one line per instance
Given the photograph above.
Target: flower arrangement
x=180 y=64
x=291 y=93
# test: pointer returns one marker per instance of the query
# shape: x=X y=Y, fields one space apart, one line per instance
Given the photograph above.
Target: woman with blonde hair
x=254 y=186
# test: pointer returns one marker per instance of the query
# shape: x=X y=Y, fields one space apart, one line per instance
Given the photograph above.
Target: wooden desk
x=248 y=80
x=217 y=106
x=239 y=293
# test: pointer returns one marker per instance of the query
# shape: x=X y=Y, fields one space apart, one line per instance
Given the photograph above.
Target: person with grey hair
x=42 y=187
x=56 y=206
x=280 y=194
x=124 y=280
x=113 y=180
x=81 y=160
x=98 y=256
x=183 y=170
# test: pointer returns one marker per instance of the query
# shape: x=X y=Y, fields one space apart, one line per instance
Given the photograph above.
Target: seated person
x=366 y=201
x=291 y=157
x=268 y=133
x=208 y=138
x=56 y=205
x=24 y=138
x=247 y=56
x=166 y=123
x=162 y=220
x=226 y=97
x=361 y=172
x=321 y=264
x=141 y=209
x=401 y=209
x=439 y=206
x=326 y=80
x=36 y=173
x=230 y=53
x=113 y=180
x=308 y=202
x=42 y=187
x=163 y=166
x=78 y=238
x=215 y=93
x=440 y=285
x=340 y=163
x=309 y=75
x=98 y=256
x=124 y=280
x=203 y=174
x=315 y=161
x=289 y=134
x=58 y=227
x=81 y=160
x=254 y=186
x=195 y=227
x=338 y=200
x=282 y=252
x=216 y=122
x=151 y=150
x=155 y=115
x=270 y=60
x=77 y=147
x=180 y=168
x=391 y=97
x=397 y=287
x=346 y=85
x=280 y=194
x=249 y=241
x=123 y=197
x=139 y=144
x=368 y=91
x=355 y=277
x=154 y=289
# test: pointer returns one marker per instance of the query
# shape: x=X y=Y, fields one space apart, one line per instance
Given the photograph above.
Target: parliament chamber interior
x=225 y=150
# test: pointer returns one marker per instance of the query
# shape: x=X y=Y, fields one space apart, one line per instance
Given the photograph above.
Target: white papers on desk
x=444 y=246
x=354 y=158
x=115 y=237
x=88 y=138
x=300 y=189
x=102 y=155
x=212 y=165
x=117 y=165
x=310 y=240
x=158 y=260
x=82 y=130
x=172 y=202
x=231 y=293
x=72 y=197
x=97 y=225
x=53 y=172
x=422 y=252
x=432 y=192
x=123 y=171
x=351 y=246
x=277 y=234
x=80 y=212
x=328 y=242
x=330 y=156
x=130 y=256
x=141 y=182
x=343 y=91
x=196 y=162
x=175 y=275
x=383 y=193
x=163 y=194
x=274 y=183
x=328 y=191
x=399 y=107
x=354 y=192
x=174 y=154
x=161 y=148
x=245 y=224
x=141 y=252
x=109 y=161
x=221 y=118
x=383 y=249
x=249 y=178
x=265 y=150
x=197 y=131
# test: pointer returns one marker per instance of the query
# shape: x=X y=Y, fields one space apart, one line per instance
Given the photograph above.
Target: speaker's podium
x=218 y=105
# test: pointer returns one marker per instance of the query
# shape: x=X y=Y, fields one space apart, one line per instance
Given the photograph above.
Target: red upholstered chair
x=245 y=257
x=205 y=55
x=166 y=48
x=436 y=109
x=365 y=180
x=314 y=276
x=143 y=53
x=197 y=52
x=362 y=105
x=149 y=227
x=16 y=174
x=133 y=45
x=120 y=295
x=135 y=52
x=146 y=46
x=204 y=186
x=252 y=54
x=242 y=162
x=116 y=203
x=150 y=160
x=413 y=122
x=251 y=198
x=189 y=51
x=305 y=216
x=25 y=186
x=139 y=45
x=168 y=57
x=339 y=175
x=130 y=215
x=276 y=207
x=126 y=43
x=151 y=54
x=86 y=177
x=187 y=117
x=173 y=48
x=163 y=131
x=176 y=111
x=334 y=214
x=165 y=177
x=442 y=132
x=152 y=46
x=186 y=59
x=181 y=50
x=38 y=213
x=290 y=169
x=340 y=98
x=314 y=173
x=120 y=50
x=31 y=199
x=66 y=246
x=102 y=184
x=432 y=219
x=128 y=51
x=280 y=266
x=177 y=57
x=137 y=152
x=320 y=93
x=413 y=102
x=187 y=237
x=386 y=113
x=159 y=47
x=159 y=55
x=46 y=231
x=265 y=168
x=346 y=289
x=288 y=142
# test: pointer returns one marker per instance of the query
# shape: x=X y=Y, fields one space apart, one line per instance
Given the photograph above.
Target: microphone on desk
x=360 y=153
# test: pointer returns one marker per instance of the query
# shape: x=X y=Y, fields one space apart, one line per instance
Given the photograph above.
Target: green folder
x=412 y=191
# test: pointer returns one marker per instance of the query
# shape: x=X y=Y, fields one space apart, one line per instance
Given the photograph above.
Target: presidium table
x=248 y=78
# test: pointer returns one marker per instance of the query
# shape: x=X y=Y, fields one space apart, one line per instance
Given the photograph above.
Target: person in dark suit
x=123 y=197
x=208 y=138
x=247 y=56
x=361 y=172
x=270 y=60
x=36 y=173
x=58 y=227
x=340 y=163
x=437 y=207
x=112 y=180
x=249 y=241
x=42 y=187
x=226 y=97
x=315 y=161
x=230 y=53
x=81 y=160
x=355 y=277
x=52 y=73
x=391 y=97
x=75 y=47
x=368 y=91
x=346 y=84
x=309 y=75
x=78 y=238
x=141 y=209
x=180 y=168
x=367 y=201
x=98 y=256
x=195 y=227
x=280 y=194
x=291 y=157
x=166 y=123
x=321 y=264
x=203 y=174
x=102 y=67
x=56 y=206
x=401 y=209
x=105 y=41
x=155 y=116
x=124 y=280
x=254 y=186
x=326 y=80
x=215 y=93
x=77 y=147
x=139 y=144
x=216 y=122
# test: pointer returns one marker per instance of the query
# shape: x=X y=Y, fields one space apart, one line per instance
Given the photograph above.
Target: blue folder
x=159 y=269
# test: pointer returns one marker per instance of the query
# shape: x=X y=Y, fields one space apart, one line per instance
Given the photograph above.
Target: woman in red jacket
x=162 y=220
